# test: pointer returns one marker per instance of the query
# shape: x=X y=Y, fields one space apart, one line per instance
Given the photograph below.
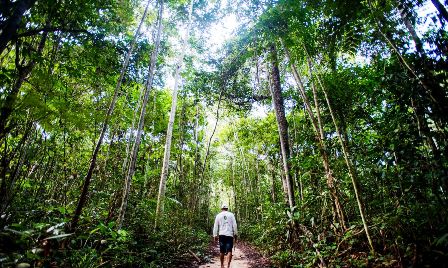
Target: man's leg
x=221 y=256
x=222 y=249
x=229 y=248
x=230 y=259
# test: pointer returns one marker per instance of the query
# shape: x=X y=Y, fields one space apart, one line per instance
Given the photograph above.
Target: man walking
x=225 y=227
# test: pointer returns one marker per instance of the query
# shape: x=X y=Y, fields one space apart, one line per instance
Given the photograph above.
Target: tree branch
x=52 y=29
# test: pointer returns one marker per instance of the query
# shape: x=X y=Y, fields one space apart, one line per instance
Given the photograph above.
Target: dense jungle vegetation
x=125 y=123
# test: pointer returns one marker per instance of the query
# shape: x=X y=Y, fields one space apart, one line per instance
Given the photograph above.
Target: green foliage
x=388 y=100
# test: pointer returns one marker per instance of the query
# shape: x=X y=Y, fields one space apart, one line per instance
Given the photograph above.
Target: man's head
x=224 y=206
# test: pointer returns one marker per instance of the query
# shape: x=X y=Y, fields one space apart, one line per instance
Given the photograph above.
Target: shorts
x=225 y=244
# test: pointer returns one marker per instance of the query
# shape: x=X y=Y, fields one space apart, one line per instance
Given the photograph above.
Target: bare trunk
x=169 y=134
x=441 y=8
x=235 y=193
x=85 y=188
x=282 y=124
x=348 y=161
x=136 y=146
x=166 y=156
x=196 y=160
x=410 y=27
x=180 y=157
x=196 y=141
x=432 y=90
x=331 y=182
x=396 y=50
x=131 y=134
x=274 y=200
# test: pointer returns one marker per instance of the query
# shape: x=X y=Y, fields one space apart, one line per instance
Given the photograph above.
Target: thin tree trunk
x=298 y=177
x=85 y=188
x=316 y=104
x=272 y=169
x=348 y=161
x=394 y=48
x=196 y=184
x=235 y=194
x=418 y=42
x=131 y=134
x=434 y=92
x=441 y=8
x=136 y=146
x=147 y=171
x=196 y=141
x=196 y=159
x=180 y=162
x=282 y=124
x=169 y=134
x=331 y=182
x=207 y=151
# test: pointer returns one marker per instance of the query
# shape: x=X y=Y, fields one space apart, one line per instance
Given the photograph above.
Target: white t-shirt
x=226 y=224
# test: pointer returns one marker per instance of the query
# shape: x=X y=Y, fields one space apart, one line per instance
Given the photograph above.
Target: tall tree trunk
x=388 y=39
x=85 y=188
x=348 y=161
x=169 y=133
x=282 y=123
x=196 y=140
x=124 y=168
x=331 y=182
x=407 y=22
x=180 y=157
x=432 y=90
x=435 y=93
x=441 y=8
x=274 y=200
x=207 y=150
x=234 y=190
x=136 y=146
x=11 y=25
x=196 y=158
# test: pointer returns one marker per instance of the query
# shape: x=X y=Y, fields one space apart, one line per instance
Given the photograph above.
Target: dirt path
x=239 y=260
x=244 y=256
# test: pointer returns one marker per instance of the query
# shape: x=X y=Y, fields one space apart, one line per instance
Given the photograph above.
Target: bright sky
x=428 y=10
x=222 y=31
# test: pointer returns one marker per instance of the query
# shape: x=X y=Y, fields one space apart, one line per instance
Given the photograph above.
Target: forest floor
x=244 y=256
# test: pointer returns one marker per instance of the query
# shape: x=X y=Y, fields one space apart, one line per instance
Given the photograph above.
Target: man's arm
x=215 y=228
x=235 y=228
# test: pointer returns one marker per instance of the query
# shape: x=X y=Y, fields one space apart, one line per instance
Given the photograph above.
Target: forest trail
x=239 y=260
x=244 y=256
